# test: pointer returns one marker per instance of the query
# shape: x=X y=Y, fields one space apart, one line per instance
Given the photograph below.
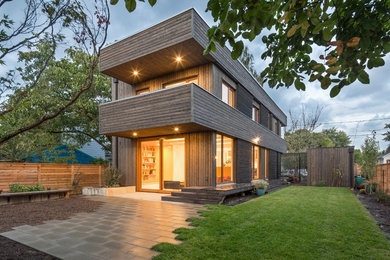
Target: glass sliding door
x=173 y=164
x=162 y=164
x=224 y=159
x=150 y=165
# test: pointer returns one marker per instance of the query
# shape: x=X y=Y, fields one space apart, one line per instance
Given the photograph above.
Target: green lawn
x=293 y=223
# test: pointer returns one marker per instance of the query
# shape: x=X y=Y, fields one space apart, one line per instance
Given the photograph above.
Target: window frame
x=231 y=94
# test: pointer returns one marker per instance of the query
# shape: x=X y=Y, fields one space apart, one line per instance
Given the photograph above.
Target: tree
x=387 y=134
x=77 y=125
x=305 y=119
x=369 y=156
x=353 y=36
x=37 y=38
x=338 y=138
x=358 y=156
x=248 y=61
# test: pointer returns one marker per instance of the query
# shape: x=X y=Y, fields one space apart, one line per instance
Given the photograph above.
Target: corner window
x=256 y=112
x=275 y=126
x=193 y=79
x=142 y=91
x=227 y=94
x=256 y=162
x=266 y=164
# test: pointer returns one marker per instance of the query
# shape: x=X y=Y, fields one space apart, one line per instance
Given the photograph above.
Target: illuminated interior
x=179 y=82
x=224 y=159
x=162 y=164
x=256 y=162
x=227 y=94
x=266 y=164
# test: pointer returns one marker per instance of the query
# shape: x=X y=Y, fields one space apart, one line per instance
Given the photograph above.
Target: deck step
x=190 y=200
x=200 y=191
x=196 y=195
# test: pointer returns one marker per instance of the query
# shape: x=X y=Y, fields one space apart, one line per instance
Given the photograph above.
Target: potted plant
x=260 y=186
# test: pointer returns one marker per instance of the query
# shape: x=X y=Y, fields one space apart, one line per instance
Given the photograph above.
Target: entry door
x=162 y=164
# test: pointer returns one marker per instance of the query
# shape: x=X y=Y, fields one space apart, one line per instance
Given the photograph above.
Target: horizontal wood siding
x=243 y=162
x=50 y=175
x=199 y=159
x=322 y=164
x=155 y=38
x=161 y=108
x=244 y=101
x=235 y=68
x=211 y=112
x=273 y=165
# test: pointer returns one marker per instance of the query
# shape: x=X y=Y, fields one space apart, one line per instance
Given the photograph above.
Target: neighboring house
x=384 y=158
x=180 y=118
x=61 y=154
x=94 y=149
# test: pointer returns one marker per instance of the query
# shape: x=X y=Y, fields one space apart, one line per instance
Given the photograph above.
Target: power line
x=349 y=122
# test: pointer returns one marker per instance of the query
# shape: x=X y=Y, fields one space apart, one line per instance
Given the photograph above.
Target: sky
x=348 y=111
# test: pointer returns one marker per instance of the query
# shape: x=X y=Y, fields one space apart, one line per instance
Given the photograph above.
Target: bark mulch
x=379 y=211
x=36 y=213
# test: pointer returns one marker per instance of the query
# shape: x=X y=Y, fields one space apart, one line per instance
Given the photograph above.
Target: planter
x=101 y=191
x=261 y=192
x=31 y=196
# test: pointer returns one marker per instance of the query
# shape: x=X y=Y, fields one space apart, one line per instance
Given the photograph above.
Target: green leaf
x=152 y=2
x=375 y=62
x=327 y=34
x=334 y=92
x=325 y=82
x=363 y=77
x=292 y=30
x=237 y=50
x=114 y=2
x=386 y=47
x=130 y=5
x=314 y=77
x=333 y=70
x=299 y=85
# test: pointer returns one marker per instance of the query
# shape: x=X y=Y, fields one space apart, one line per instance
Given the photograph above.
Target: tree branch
x=74 y=131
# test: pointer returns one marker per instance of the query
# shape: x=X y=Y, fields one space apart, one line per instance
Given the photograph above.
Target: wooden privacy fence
x=330 y=166
x=382 y=177
x=50 y=175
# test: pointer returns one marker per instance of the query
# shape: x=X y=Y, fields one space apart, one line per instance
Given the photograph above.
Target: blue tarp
x=62 y=154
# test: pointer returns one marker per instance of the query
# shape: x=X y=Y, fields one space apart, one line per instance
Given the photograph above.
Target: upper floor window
x=275 y=126
x=270 y=121
x=142 y=91
x=256 y=112
x=193 y=79
x=227 y=94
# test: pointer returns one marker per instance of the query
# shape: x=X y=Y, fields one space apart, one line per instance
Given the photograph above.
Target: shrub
x=260 y=184
x=321 y=183
x=381 y=196
x=112 y=176
x=16 y=187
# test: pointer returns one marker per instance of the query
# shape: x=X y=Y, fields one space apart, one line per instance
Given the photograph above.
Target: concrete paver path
x=123 y=228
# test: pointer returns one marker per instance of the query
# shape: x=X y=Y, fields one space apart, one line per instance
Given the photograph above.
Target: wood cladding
x=49 y=175
x=199 y=159
x=382 y=177
x=184 y=104
x=127 y=154
x=325 y=165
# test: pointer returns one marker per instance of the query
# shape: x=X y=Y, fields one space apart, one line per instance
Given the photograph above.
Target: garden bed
x=32 y=196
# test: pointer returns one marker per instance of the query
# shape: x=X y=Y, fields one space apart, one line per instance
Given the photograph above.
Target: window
x=256 y=112
x=227 y=94
x=256 y=162
x=275 y=126
x=142 y=91
x=266 y=164
x=193 y=79
x=224 y=159
x=270 y=121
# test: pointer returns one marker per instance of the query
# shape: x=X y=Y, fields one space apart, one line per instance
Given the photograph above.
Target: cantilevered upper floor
x=148 y=64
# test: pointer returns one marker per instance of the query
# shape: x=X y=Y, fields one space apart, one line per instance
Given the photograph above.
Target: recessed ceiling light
x=135 y=134
x=135 y=72
x=176 y=129
x=178 y=59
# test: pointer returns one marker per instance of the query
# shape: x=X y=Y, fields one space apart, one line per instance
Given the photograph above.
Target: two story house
x=182 y=119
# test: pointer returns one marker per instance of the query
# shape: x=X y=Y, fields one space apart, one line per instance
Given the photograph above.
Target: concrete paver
x=125 y=227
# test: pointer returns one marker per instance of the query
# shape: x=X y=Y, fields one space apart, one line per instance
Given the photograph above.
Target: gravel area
x=380 y=211
x=36 y=213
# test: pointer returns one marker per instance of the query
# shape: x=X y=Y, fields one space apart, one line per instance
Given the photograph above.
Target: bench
x=31 y=196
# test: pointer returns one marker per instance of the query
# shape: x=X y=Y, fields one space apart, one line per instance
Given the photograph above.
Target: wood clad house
x=180 y=118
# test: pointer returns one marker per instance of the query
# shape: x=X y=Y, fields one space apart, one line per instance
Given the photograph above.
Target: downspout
x=115 y=139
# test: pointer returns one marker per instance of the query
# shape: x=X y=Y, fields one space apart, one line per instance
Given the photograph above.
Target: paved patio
x=123 y=228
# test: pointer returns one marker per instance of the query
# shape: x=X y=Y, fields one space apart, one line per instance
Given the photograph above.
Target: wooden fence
x=382 y=177
x=50 y=175
x=330 y=166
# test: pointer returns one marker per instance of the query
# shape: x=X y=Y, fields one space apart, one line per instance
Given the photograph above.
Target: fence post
x=71 y=175
x=39 y=173
x=100 y=175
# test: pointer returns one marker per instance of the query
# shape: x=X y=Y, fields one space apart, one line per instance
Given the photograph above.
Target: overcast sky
x=355 y=102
